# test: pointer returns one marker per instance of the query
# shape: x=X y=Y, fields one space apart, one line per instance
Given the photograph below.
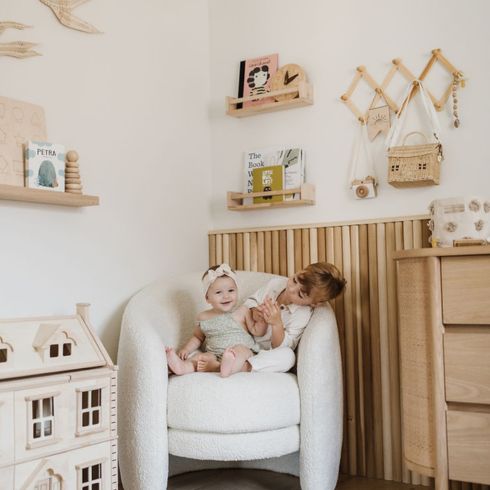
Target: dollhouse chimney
x=83 y=311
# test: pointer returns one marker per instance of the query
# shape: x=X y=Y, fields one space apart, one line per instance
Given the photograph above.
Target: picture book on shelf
x=45 y=166
x=291 y=158
x=255 y=78
x=268 y=179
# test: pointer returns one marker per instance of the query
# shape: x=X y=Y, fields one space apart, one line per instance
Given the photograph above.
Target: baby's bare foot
x=207 y=365
x=202 y=363
x=176 y=364
x=227 y=362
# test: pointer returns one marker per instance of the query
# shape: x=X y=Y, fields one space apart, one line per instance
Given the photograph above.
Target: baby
x=221 y=326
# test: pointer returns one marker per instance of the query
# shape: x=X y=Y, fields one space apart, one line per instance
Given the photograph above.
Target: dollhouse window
x=42 y=419
x=41 y=426
x=90 y=477
x=57 y=350
x=54 y=350
x=67 y=349
x=91 y=407
x=89 y=411
x=4 y=351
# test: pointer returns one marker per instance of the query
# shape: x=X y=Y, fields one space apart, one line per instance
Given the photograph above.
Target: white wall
x=329 y=39
x=133 y=102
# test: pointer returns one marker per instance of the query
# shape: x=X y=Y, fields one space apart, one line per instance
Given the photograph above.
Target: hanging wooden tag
x=378 y=121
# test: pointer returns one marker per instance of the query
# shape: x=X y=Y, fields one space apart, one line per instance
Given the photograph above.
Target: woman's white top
x=294 y=317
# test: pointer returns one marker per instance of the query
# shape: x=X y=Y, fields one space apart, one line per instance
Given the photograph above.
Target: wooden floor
x=267 y=480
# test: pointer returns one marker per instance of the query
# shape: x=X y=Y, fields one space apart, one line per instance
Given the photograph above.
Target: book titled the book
x=267 y=179
x=45 y=166
x=255 y=78
x=292 y=159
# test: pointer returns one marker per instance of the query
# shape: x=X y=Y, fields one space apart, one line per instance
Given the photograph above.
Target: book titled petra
x=255 y=78
x=267 y=179
x=45 y=166
x=292 y=159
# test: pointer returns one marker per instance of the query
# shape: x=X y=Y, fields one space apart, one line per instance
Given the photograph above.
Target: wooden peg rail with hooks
x=398 y=66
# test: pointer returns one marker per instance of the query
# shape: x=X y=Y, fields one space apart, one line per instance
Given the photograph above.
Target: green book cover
x=268 y=179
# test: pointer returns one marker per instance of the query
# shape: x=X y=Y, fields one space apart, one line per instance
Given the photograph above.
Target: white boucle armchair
x=284 y=422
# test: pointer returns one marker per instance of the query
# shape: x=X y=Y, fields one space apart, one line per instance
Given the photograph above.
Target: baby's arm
x=256 y=323
x=193 y=343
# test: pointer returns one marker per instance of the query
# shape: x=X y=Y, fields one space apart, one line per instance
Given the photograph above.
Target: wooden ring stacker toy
x=73 y=183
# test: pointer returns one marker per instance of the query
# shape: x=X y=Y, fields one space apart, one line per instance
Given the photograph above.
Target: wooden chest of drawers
x=444 y=322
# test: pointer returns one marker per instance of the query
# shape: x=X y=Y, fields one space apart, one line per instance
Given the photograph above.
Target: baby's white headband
x=212 y=275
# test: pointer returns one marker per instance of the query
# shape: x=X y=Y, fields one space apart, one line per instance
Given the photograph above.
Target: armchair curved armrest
x=142 y=384
x=320 y=384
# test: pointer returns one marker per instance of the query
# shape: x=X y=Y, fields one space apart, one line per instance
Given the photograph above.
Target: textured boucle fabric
x=164 y=314
x=234 y=447
x=245 y=402
x=320 y=381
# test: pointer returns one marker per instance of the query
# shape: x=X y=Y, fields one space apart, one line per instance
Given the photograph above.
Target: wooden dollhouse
x=57 y=406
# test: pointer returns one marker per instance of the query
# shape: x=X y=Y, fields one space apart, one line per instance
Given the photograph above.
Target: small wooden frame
x=304 y=97
x=15 y=193
x=306 y=192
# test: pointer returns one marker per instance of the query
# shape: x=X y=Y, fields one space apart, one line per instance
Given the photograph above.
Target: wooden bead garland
x=457 y=80
x=73 y=183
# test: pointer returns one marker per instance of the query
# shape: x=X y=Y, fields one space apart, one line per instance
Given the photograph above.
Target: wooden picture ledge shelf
x=306 y=198
x=303 y=97
x=14 y=193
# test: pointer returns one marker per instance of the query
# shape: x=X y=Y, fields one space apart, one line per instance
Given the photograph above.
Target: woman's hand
x=271 y=312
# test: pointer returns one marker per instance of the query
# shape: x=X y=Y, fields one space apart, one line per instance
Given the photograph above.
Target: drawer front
x=469 y=446
x=467 y=364
x=466 y=289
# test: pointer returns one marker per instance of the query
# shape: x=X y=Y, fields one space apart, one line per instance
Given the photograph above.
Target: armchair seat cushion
x=242 y=403
x=246 y=446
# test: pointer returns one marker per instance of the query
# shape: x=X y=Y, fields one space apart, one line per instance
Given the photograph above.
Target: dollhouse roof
x=31 y=338
x=46 y=333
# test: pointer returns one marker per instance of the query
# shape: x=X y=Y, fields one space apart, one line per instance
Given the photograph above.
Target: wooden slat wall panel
x=367 y=320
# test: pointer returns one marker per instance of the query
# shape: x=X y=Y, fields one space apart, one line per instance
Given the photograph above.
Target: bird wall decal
x=11 y=25
x=16 y=49
x=63 y=11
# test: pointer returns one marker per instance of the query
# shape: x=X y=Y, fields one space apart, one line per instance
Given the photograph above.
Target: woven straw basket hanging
x=414 y=165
